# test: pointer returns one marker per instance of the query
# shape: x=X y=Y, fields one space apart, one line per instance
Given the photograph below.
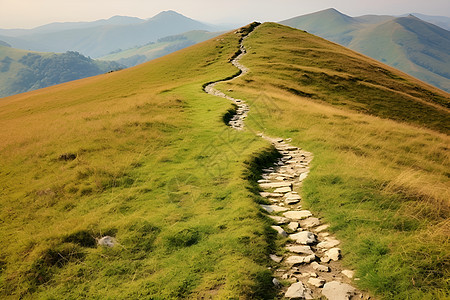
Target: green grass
x=380 y=169
x=143 y=155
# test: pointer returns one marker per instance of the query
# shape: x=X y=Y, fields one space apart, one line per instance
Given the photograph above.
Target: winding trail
x=310 y=260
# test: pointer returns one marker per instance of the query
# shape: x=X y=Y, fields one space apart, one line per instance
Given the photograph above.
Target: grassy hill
x=380 y=172
x=143 y=155
x=163 y=46
x=407 y=43
x=99 y=38
x=22 y=71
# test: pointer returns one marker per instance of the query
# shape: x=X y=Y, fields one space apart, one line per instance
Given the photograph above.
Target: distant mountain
x=61 y=26
x=99 y=38
x=163 y=46
x=443 y=22
x=2 y=43
x=23 y=71
x=408 y=43
x=329 y=24
x=411 y=45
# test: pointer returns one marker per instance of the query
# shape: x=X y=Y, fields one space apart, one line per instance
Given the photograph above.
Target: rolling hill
x=99 y=38
x=142 y=155
x=23 y=71
x=407 y=43
x=163 y=46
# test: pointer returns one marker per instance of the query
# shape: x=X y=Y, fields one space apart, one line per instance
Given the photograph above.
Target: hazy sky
x=32 y=13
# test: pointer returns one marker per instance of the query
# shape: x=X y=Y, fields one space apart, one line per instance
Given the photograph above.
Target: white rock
x=298 y=214
x=304 y=237
x=286 y=189
x=276 y=283
x=293 y=195
x=276 y=258
x=321 y=268
x=314 y=275
x=291 y=201
x=273 y=208
x=293 y=226
x=334 y=254
x=263 y=181
x=279 y=220
x=274 y=185
x=303 y=176
x=298 y=291
x=317 y=282
x=297 y=260
x=322 y=228
x=300 y=249
x=107 y=241
x=348 y=273
x=336 y=290
x=279 y=230
x=310 y=222
x=328 y=243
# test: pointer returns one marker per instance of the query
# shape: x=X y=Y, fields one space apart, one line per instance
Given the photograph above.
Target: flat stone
x=314 y=275
x=264 y=194
x=291 y=201
x=322 y=228
x=293 y=195
x=297 y=260
x=291 y=148
x=273 y=208
x=318 y=267
x=276 y=195
x=279 y=220
x=293 y=226
x=304 y=237
x=302 y=176
x=286 y=189
x=276 y=258
x=298 y=214
x=336 y=290
x=274 y=185
x=328 y=243
x=333 y=254
x=298 y=291
x=300 y=249
x=310 y=222
x=350 y=274
x=279 y=230
x=107 y=241
x=263 y=181
x=317 y=282
x=280 y=178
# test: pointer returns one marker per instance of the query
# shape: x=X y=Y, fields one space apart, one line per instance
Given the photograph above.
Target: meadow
x=141 y=155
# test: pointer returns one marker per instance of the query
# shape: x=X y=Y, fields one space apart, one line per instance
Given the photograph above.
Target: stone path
x=310 y=260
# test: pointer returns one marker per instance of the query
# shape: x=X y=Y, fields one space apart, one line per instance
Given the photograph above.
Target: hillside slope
x=380 y=170
x=407 y=43
x=163 y=46
x=22 y=71
x=103 y=38
x=142 y=155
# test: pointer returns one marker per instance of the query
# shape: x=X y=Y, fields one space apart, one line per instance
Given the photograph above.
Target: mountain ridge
x=409 y=43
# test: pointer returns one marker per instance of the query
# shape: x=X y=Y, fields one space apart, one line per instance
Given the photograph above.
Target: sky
x=32 y=13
